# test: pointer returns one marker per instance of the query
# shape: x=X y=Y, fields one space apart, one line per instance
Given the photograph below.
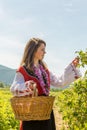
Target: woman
x=34 y=71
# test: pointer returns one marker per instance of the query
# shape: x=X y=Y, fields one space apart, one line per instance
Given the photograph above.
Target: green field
x=71 y=102
x=7 y=120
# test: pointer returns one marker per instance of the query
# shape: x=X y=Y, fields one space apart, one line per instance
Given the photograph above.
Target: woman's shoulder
x=20 y=68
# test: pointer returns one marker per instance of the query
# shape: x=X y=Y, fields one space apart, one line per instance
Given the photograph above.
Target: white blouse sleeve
x=18 y=87
x=70 y=75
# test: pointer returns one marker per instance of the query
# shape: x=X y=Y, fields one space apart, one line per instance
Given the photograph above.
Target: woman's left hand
x=75 y=62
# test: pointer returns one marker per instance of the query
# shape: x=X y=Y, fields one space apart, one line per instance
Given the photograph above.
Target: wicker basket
x=32 y=108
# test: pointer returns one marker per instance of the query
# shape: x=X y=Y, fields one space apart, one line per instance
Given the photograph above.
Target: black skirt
x=40 y=125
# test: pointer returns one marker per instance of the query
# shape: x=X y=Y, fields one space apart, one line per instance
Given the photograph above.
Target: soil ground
x=60 y=124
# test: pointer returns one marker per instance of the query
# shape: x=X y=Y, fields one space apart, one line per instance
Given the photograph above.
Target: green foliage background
x=72 y=101
x=7 y=120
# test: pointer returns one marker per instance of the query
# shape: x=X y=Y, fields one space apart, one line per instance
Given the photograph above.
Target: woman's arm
x=71 y=73
x=19 y=87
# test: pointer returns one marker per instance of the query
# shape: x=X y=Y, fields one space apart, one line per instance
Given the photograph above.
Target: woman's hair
x=29 y=51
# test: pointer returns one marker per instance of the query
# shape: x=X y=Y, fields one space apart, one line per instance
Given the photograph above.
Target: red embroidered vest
x=27 y=76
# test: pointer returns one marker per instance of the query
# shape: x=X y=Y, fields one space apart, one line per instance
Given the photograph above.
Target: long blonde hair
x=29 y=51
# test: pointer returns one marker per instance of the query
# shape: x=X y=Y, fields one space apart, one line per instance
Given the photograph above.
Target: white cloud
x=10 y=51
x=2 y=12
x=9 y=43
x=69 y=10
x=41 y=35
x=69 y=4
x=20 y=21
x=70 y=7
x=55 y=63
x=9 y=60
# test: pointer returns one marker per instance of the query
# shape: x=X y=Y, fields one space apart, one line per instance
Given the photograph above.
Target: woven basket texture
x=32 y=108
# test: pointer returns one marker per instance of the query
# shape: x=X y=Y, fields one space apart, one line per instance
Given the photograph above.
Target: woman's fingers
x=31 y=87
x=29 y=84
x=75 y=61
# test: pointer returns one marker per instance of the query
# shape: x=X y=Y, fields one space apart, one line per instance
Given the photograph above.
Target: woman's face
x=39 y=54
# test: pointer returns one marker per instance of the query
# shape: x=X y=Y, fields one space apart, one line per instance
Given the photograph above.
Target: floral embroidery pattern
x=43 y=78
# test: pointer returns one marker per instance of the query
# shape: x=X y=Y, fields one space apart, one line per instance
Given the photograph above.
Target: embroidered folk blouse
x=18 y=87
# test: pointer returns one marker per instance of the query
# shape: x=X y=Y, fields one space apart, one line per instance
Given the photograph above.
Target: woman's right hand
x=31 y=88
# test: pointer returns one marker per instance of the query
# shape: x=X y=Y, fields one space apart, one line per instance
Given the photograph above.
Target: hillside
x=6 y=74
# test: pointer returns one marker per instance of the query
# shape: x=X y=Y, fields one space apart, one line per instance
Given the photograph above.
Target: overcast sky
x=61 y=23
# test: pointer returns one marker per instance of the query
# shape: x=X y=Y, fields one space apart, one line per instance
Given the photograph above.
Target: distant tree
x=1 y=85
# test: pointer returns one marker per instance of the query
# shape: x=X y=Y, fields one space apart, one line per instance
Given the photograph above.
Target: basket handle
x=35 y=91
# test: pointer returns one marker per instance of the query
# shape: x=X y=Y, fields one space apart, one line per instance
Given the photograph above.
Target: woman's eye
x=43 y=49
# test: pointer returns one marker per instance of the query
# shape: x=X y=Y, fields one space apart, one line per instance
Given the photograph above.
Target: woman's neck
x=36 y=63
